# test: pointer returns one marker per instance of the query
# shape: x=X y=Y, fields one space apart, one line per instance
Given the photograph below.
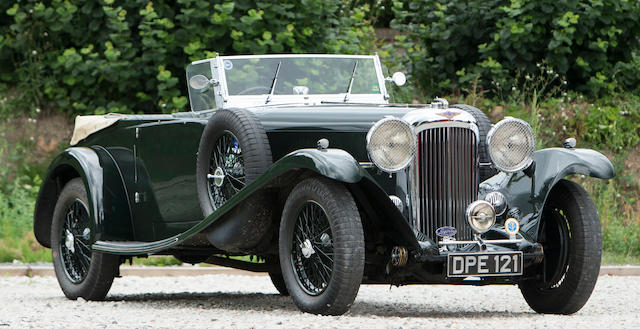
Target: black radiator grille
x=447 y=179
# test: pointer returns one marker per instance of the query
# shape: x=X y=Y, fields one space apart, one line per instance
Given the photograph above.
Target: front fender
x=529 y=193
x=341 y=166
x=332 y=163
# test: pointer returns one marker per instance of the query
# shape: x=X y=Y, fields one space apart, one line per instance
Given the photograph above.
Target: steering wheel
x=254 y=90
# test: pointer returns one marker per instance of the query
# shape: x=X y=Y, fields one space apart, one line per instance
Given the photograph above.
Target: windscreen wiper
x=273 y=83
x=353 y=75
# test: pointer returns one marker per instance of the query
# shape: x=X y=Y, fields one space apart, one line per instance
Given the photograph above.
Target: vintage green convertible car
x=301 y=162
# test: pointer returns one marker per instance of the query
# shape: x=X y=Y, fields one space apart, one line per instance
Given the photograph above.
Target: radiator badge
x=512 y=226
x=446 y=231
x=448 y=114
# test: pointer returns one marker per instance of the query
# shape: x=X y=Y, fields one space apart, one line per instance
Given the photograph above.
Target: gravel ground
x=233 y=301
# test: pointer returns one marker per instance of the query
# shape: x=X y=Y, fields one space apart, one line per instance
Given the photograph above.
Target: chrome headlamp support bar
x=479 y=242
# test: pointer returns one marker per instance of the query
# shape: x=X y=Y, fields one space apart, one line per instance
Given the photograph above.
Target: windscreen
x=300 y=75
x=201 y=99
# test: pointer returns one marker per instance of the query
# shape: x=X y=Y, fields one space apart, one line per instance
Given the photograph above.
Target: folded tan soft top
x=89 y=124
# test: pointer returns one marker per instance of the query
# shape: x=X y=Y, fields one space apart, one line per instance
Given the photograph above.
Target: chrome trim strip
x=422 y=126
x=481 y=242
x=296 y=56
x=367 y=165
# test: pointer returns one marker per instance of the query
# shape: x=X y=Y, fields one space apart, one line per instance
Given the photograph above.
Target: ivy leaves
x=460 y=41
x=129 y=56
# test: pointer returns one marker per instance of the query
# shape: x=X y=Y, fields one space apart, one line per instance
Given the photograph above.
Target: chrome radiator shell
x=443 y=176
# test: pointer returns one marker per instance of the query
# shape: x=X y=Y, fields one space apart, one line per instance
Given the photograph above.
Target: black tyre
x=276 y=276
x=234 y=151
x=484 y=125
x=80 y=271
x=572 y=241
x=278 y=281
x=321 y=246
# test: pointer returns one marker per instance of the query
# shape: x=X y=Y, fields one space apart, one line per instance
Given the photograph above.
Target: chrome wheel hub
x=86 y=233
x=218 y=177
x=69 y=241
x=325 y=239
x=307 y=248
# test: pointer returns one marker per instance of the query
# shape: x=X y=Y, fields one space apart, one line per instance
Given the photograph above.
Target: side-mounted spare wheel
x=234 y=151
x=80 y=271
x=572 y=241
x=484 y=125
x=321 y=246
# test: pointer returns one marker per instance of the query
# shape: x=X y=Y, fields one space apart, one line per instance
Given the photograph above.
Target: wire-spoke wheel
x=321 y=246
x=572 y=242
x=80 y=272
x=312 y=249
x=226 y=175
x=74 y=242
x=233 y=152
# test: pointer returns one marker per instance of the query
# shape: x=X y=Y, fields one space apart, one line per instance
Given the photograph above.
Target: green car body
x=164 y=159
x=141 y=177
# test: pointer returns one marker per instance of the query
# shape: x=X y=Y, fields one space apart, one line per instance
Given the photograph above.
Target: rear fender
x=529 y=193
x=103 y=183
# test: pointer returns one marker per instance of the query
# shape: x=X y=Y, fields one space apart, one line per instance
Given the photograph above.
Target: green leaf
x=13 y=10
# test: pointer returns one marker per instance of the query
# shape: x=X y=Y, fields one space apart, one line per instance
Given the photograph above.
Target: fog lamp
x=481 y=216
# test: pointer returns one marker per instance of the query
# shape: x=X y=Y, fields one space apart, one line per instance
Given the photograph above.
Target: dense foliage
x=593 y=43
x=93 y=56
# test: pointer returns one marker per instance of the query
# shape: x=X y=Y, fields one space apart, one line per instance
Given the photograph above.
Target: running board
x=133 y=247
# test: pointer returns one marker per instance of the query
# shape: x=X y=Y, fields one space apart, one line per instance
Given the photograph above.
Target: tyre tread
x=584 y=262
x=103 y=267
x=348 y=247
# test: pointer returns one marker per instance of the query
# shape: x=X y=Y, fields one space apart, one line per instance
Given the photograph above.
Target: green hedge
x=90 y=56
x=590 y=43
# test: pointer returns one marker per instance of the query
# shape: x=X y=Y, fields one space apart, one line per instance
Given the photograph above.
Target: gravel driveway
x=234 y=301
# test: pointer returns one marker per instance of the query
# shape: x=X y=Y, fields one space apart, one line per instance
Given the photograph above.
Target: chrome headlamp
x=481 y=216
x=511 y=145
x=391 y=144
x=498 y=201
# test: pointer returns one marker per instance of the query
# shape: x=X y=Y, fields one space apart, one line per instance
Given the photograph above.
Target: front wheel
x=80 y=271
x=321 y=247
x=572 y=241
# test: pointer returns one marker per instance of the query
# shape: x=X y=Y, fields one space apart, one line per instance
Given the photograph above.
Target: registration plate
x=484 y=264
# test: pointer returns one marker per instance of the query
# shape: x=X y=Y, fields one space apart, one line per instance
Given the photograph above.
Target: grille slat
x=447 y=161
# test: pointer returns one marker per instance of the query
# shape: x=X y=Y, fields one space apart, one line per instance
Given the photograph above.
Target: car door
x=167 y=153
